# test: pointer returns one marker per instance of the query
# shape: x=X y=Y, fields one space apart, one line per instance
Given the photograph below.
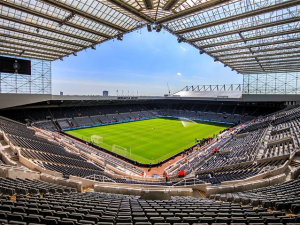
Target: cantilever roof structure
x=249 y=36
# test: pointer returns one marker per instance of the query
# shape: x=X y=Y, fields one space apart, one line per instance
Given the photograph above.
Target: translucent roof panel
x=245 y=35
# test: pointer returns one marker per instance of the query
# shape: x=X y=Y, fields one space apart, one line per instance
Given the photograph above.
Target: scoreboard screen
x=13 y=65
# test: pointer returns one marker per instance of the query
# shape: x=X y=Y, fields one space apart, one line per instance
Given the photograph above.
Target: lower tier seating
x=285 y=196
x=111 y=209
x=215 y=177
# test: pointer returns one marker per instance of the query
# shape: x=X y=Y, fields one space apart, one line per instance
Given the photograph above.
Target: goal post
x=126 y=152
x=120 y=150
x=95 y=139
x=186 y=122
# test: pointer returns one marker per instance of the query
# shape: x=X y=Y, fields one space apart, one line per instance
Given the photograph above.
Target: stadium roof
x=249 y=36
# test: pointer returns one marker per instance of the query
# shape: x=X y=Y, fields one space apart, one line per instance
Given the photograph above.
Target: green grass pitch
x=148 y=141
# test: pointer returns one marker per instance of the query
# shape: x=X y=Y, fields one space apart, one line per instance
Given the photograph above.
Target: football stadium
x=204 y=154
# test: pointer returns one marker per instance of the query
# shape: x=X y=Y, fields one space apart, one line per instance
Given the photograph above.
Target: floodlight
x=120 y=37
x=158 y=28
x=149 y=27
x=180 y=40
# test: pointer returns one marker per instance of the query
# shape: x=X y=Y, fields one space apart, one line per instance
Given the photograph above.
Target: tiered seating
x=234 y=113
x=63 y=123
x=104 y=119
x=283 y=196
x=118 y=117
x=211 y=116
x=115 y=162
x=111 y=117
x=96 y=119
x=71 y=169
x=126 y=116
x=59 y=159
x=56 y=113
x=280 y=134
x=136 y=115
x=83 y=121
x=240 y=149
x=147 y=114
x=256 y=126
x=87 y=111
x=41 y=145
x=110 y=209
x=295 y=127
x=47 y=125
x=216 y=176
x=48 y=154
x=25 y=187
x=286 y=116
x=284 y=138
x=283 y=148
x=198 y=158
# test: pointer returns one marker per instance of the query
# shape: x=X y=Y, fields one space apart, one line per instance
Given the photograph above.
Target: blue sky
x=144 y=62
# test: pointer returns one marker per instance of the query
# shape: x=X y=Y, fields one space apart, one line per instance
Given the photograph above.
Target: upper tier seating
x=83 y=121
x=221 y=111
x=48 y=125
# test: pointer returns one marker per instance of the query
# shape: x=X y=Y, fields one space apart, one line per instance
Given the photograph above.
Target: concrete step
x=296 y=158
x=202 y=194
x=14 y=158
x=295 y=163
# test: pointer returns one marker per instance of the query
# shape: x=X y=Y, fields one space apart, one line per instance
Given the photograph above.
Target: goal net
x=186 y=122
x=120 y=150
x=95 y=139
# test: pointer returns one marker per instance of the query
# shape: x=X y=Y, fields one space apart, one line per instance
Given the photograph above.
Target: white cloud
x=182 y=48
x=179 y=74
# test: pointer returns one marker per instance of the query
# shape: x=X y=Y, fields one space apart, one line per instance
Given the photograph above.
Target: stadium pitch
x=148 y=141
